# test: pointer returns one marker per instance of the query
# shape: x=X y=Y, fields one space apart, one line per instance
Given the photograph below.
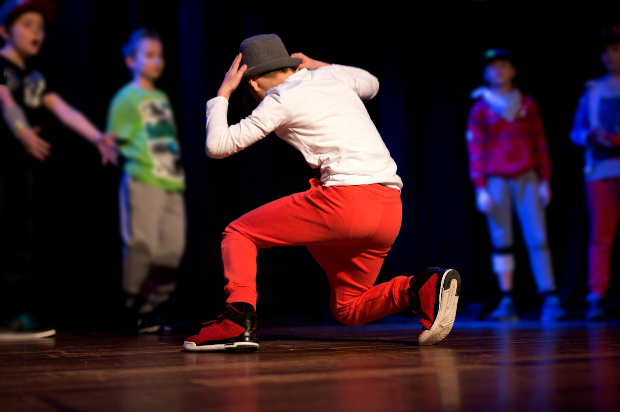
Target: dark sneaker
x=236 y=330
x=150 y=323
x=434 y=295
x=551 y=309
x=506 y=310
x=595 y=308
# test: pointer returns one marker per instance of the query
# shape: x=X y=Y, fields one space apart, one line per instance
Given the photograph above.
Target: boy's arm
x=16 y=120
x=365 y=84
x=540 y=145
x=75 y=120
x=121 y=118
x=476 y=134
x=581 y=125
x=223 y=141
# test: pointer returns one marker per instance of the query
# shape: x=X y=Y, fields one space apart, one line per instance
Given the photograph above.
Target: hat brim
x=291 y=62
x=45 y=7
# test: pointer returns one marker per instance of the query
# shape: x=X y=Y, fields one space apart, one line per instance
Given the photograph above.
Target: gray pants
x=153 y=232
x=520 y=194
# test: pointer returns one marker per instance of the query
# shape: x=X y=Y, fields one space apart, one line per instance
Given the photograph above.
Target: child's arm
x=16 y=121
x=75 y=120
x=365 y=84
x=581 y=125
x=540 y=145
x=476 y=133
x=542 y=155
x=222 y=140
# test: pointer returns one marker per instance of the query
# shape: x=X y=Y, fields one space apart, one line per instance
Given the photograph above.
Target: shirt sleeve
x=581 y=123
x=365 y=84
x=223 y=140
x=122 y=118
x=541 y=152
x=476 y=134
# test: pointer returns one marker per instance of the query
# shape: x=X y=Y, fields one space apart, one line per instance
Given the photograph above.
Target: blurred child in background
x=24 y=93
x=511 y=170
x=151 y=190
x=597 y=129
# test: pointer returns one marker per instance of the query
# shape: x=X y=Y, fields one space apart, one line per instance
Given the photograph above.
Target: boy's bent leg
x=326 y=216
x=352 y=274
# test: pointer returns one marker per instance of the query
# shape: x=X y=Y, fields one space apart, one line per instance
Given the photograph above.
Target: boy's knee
x=537 y=242
x=141 y=247
x=344 y=316
x=171 y=258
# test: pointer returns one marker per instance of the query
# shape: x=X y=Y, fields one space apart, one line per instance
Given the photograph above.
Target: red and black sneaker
x=434 y=295
x=236 y=330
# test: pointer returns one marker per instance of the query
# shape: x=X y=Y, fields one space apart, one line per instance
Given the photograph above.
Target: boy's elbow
x=213 y=153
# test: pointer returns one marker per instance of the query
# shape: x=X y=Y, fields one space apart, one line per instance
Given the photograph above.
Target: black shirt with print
x=27 y=88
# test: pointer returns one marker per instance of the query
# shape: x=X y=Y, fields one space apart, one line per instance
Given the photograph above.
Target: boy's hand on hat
x=107 y=148
x=307 y=62
x=233 y=78
x=34 y=146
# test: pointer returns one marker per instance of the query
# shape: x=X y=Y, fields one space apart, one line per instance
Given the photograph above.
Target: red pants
x=604 y=205
x=347 y=229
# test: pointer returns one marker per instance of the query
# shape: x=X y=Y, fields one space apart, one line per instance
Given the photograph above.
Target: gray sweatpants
x=153 y=233
x=520 y=194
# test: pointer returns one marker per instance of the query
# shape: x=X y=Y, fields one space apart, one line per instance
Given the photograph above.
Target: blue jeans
x=521 y=195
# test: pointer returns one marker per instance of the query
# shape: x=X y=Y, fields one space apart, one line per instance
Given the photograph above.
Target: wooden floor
x=480 y=367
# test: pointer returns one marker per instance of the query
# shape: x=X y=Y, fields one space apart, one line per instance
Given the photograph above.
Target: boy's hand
x=544 y=192
x=307 y=62
x=601 y=137
x=34 y=146
x=107 y=148
x=484 y=201
x=232 y=78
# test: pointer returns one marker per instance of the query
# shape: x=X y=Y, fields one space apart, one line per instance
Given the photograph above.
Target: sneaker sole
x=17 y=336
x=151 y=329
x=448 y=300
x=232 y=347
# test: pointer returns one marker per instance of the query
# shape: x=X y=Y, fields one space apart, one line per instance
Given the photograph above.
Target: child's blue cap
x=497 y=53
x=10 y=9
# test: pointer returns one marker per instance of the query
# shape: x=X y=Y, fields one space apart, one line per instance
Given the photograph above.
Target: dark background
x=428 y=60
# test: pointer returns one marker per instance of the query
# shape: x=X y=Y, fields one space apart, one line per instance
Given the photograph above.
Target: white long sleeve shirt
x=321 y=114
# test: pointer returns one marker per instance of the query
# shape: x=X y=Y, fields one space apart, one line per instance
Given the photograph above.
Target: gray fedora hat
x=264 y=53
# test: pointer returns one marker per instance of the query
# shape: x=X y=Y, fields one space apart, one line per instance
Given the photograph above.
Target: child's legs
x=499 y=220
x=142 y=208
x=169 y=252
x=604 y=205
x=531 y=214
x=334 y=217
x=16 y=240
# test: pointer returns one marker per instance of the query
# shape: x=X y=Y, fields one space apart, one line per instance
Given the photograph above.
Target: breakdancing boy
x=348 y=219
